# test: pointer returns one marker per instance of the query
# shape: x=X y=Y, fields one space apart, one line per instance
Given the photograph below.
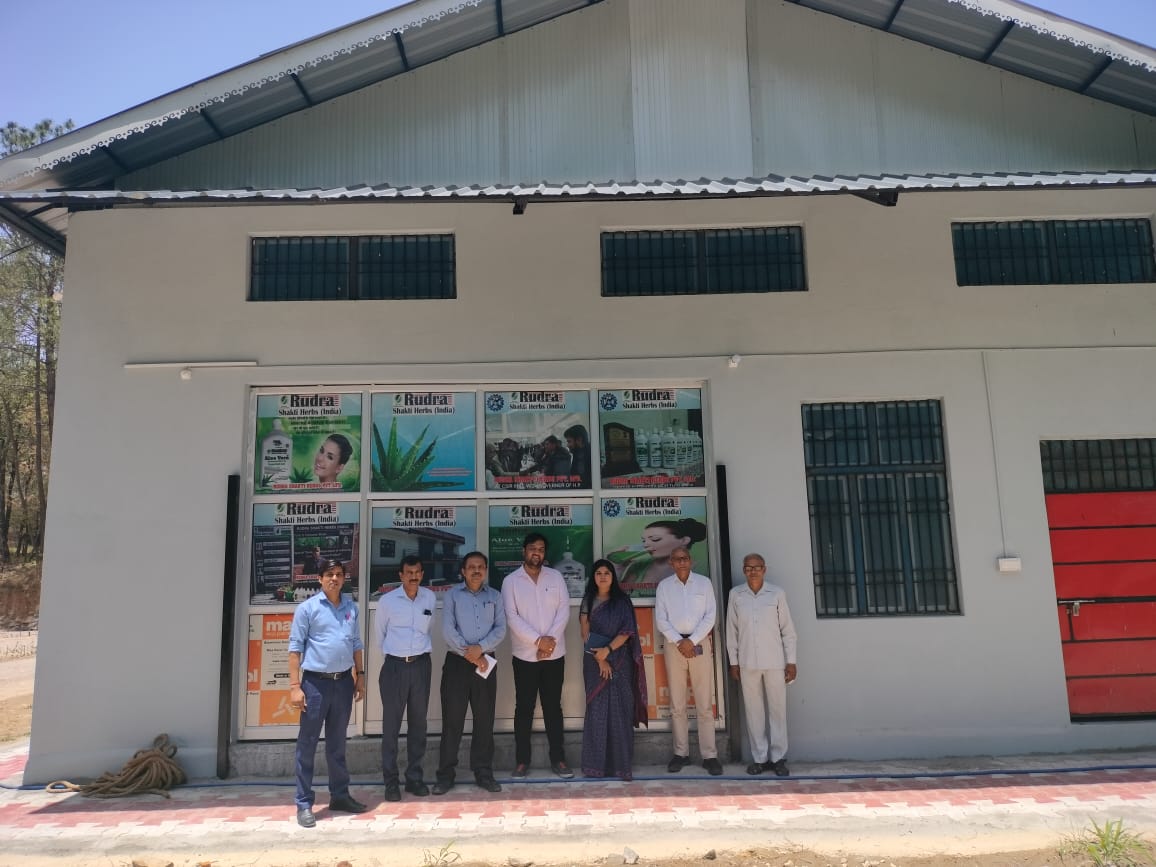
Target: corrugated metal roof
x=1004 y=33
x=703 y=188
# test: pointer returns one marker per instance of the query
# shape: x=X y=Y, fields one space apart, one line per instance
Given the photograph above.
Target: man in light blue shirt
x=402 y=629
x=326 y=676
x=474 y=624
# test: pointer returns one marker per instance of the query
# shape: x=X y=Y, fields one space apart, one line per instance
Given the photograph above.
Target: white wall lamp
x=734 y=361
x=185 y=368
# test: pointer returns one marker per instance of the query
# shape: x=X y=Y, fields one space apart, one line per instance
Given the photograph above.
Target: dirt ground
x=744 y=858
x=17 y=667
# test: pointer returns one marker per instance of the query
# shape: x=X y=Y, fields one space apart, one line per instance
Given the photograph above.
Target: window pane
x=1055 y=251
x=705 y=261
x=406 y=267
x=835 y=435
x=879 y=530
x=299 y=269
x=831 y=550
x=880 y=537
x=1103 y=251
x=1083 y=466
x=931 y=550
x=995 y=254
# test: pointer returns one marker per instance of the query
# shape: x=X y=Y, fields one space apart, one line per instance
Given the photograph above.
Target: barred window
x=881 y=540
x=356 y=267
x=703 y=262
x=1053 y=252
x=1081 y=466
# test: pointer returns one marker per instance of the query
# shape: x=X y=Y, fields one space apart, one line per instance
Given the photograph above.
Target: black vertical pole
x=228 y=623
x=734 y=718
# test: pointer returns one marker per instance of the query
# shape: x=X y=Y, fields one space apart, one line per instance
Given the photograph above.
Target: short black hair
x=531 y=538
x=410 y=560
x=466 y=558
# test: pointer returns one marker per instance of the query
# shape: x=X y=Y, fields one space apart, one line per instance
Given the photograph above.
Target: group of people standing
x=327 y=674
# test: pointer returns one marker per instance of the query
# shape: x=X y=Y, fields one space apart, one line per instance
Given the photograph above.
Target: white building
x=899 y=252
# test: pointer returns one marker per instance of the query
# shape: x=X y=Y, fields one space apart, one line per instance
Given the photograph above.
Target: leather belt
x=408 y=658
x=328 y=675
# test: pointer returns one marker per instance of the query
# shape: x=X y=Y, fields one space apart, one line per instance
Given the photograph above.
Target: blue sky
x=88 y=59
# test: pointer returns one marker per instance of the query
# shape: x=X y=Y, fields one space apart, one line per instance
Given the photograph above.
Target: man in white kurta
x=761 y=645
x=684 y=612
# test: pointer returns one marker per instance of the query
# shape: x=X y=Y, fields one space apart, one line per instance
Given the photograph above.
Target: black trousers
x=534 y=681
x=404 y=692
x=461 y=688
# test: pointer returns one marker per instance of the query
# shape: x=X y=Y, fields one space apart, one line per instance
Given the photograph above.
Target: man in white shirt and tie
x=537 y=606
x=761 y=645
x=401 y=629
x=684 y=612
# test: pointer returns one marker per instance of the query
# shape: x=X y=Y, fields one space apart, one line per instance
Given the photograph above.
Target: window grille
x=881 y=541
x=368 y=268
x=703 y=262
x=1083 y=466
x=1053 y=252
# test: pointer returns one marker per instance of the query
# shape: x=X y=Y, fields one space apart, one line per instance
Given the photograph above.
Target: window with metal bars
x=1084 y=466
x=881 y=540
x=379 y=267
x=1028 y=252
x=703 y=262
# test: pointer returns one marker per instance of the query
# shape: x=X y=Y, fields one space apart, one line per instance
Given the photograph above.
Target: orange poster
x=267 y=700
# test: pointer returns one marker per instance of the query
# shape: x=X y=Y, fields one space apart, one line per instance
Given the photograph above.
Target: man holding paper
x=474 y=624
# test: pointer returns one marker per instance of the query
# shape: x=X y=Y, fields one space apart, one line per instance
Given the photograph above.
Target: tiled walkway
x=691 y=809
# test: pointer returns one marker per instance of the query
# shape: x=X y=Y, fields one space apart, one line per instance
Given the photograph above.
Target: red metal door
x=1104 y=557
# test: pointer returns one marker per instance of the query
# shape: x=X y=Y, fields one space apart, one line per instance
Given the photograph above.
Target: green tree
x=30 y=294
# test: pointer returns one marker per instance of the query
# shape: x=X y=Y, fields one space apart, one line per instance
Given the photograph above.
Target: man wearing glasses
x=761 y=647
x=684 y=612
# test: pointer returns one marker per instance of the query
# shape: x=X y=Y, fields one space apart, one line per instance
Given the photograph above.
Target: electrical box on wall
x=1010 y=564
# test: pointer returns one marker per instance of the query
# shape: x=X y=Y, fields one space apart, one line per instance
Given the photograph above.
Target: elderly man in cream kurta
x=761 y=646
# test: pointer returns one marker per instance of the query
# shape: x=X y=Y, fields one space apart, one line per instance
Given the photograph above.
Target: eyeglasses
x=754 y=568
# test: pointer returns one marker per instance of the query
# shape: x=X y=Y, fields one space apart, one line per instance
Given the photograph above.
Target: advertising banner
x=640 y=532
x=569 y=532
x=423 y=441
x=441 y=535
x=651 y=438
x=267 y=689
x=658 y=688
x=290 y=541
x=307 y=443
x=537 y=440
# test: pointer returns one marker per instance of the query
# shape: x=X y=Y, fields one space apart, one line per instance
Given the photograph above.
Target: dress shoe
x=442 y=786
x=756 y=768
x=780 y=768
x=417 y=788
x=489 y=784
x=677 y=763
x=346 y=804
x=562 y=770
x=392 y=792
x=305 y=818
x=713 y=767
x=520 y=771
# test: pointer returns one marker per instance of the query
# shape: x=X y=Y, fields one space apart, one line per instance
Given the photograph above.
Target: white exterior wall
x=131 y=602
x=670 y=89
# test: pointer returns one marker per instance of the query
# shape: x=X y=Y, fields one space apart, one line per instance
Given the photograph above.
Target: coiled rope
x=148 y=772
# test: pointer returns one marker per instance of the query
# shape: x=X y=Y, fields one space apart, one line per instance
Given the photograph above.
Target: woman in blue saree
x=614 y=676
